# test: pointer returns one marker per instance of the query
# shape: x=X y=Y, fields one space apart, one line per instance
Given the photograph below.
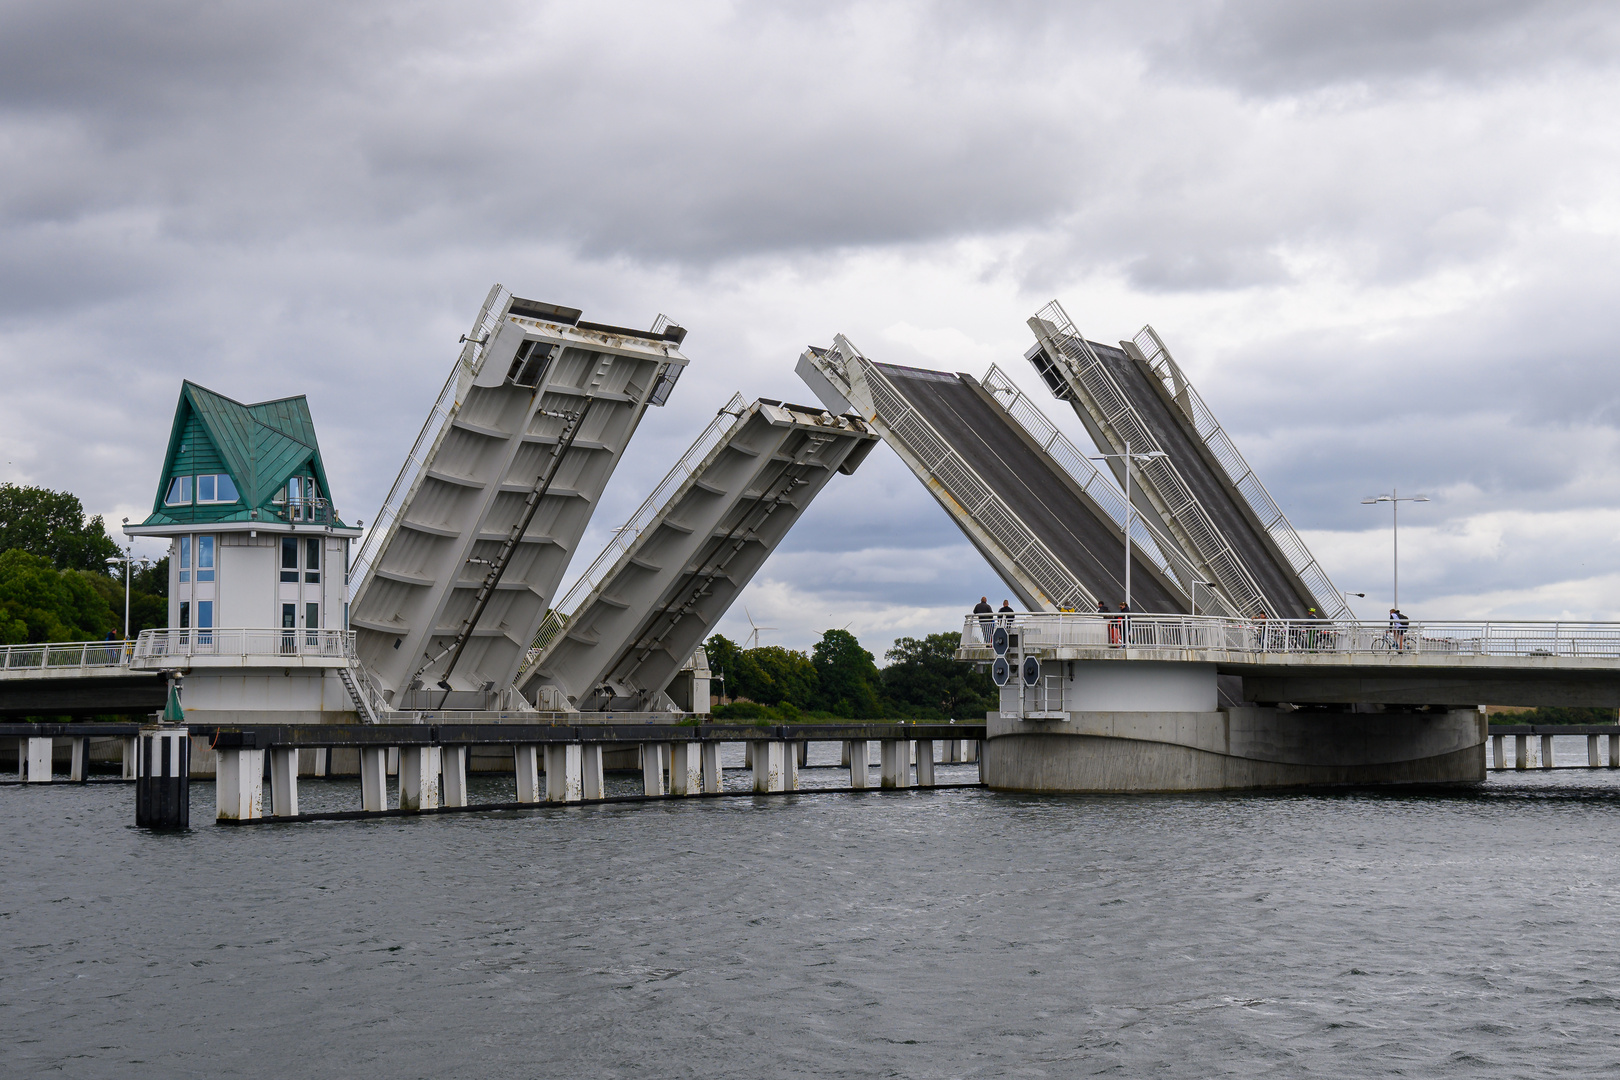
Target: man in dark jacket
x=986 y=616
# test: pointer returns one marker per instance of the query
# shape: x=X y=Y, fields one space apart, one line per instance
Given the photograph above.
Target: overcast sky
x=1381 y=239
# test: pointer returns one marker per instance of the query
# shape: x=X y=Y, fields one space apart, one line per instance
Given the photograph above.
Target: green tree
x=40 y=603
x=925 y=681
x=847 y=680
x=52 y=525
x=781 y=675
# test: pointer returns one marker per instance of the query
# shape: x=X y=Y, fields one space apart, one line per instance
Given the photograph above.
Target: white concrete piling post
x=1521 y=751
x=653 y=756
x=1546 y=752
x=685 y=768
x=858 y=756
x=803 y=754
x=895 y=759
x=36 y=757
x=564 y=768
x=591 y=785
x=1498 y=753
x=970 y=750
x=1614 y=751
x=768 y=764
x=239 y=784
x=79 y=760
x=748 y=754
x=710 y=753
x=453 y=769
x=418 y=779
x=131 y=759
x=925 y=762
x=790 y=766
x=283 y=781
x=1594 y=759
x=373 y=778
x=843 y=757
x=527 y=758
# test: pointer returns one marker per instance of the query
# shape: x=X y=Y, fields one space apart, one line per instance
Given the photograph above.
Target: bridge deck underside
x=1033 y=487
x=1277 y=582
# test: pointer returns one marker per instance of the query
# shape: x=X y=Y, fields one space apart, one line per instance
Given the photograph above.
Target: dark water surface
x=914 y=934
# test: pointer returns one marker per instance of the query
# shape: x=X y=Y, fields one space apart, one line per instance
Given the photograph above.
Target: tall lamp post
x=126 y=558
x=1394 y=499
x=1129 y=509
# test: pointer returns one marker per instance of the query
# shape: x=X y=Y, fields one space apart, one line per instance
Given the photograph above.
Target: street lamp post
x=1129 y=509
x=1394 y=499
x=127 y=558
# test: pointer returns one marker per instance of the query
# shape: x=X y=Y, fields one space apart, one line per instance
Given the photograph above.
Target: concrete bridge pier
x=527 y=761
x=239 y=785
x=131 y=760
x=453 y=773
x=590 y=771
x=1614 y=751
x=685 y=768
x=653 y=756
x=925 y=762
x=710 y=754
x=768 y=764
x=1498 y=754
x=564 y=772
x=1546 y=752
x=418 y=778
x=858 y=756
x=79 y=760
x=374 y=778
x=283 y=781
x=894 y=756
x=35 y=758
x=1521 y=751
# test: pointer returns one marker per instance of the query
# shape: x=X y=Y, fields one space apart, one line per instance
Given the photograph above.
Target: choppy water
x=916 y=934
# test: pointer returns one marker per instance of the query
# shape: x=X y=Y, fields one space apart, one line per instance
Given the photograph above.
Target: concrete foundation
x=1236 y=748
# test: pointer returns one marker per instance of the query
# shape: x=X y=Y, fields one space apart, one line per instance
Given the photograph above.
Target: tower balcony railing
x=1215 y=638
x=307 y=511
x=63 y=658
x=155 y=647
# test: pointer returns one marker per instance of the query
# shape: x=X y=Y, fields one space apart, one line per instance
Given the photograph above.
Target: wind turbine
x=753 y=638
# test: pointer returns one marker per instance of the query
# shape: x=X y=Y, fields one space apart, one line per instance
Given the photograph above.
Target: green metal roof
x=261 y=446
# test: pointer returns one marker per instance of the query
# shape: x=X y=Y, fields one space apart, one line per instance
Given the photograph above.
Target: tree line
x=840 y=680
x=55 y=583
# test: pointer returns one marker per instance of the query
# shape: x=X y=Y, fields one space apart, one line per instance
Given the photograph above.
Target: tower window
x=185 y=559
x=289 y=558
x=312 y=560
x=179 y=492
x=205 y=558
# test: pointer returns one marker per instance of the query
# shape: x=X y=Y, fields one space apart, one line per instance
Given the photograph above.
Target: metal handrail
x=16 y=660
x=729 y=416
x=1117 y=417
x=245 y=642
x=1242 y=478
x=1220 y=637
x=312 y=510
x=980 y=504
x=1156 y=547
x=427 y=441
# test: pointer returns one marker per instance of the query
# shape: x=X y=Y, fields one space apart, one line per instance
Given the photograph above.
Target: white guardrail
x=256 y=642
x=59 y=657
x=1236 y=639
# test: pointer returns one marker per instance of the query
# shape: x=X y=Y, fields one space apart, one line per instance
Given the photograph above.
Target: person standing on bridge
x=1397 y=628
x=1124 y=622
x=1005 y=613
x=986 y=616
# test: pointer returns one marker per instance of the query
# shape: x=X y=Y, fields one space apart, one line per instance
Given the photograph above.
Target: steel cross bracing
x=1240 y=478
x=622 y=633
x=1146 y=536
x=1105 y=409
x=1028 y=567
x=479 y=527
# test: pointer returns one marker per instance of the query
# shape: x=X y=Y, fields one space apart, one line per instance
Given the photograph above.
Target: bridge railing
x=58 y=656
x=156 y=645
x=1228 y=638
